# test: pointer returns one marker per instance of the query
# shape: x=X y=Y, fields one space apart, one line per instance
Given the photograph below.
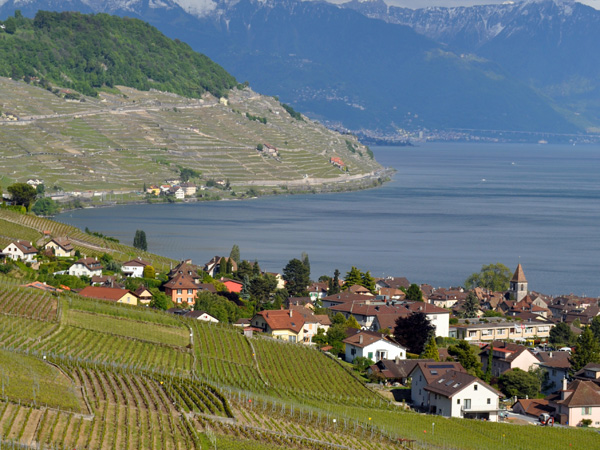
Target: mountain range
x=367 y=66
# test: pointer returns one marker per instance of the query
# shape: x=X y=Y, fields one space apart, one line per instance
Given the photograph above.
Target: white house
x=23 y=250
x=86 y=266
x=134 y=268
x=423 y=374
x=374 y=346
x=459 y=394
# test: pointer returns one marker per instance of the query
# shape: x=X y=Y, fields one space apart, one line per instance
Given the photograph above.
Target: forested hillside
x=89 y=52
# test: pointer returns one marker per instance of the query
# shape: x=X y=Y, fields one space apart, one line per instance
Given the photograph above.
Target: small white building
x=86 y=266
x=374 y=346
x=459 y=394
x=23 y=250
x=134 y=268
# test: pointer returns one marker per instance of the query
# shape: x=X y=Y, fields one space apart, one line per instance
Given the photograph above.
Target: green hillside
x=89 y=52
x=78 y=373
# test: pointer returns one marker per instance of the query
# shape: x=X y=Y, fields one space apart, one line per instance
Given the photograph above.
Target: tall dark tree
x=235 y=254
x=334 y=285
x=296 y=277
x=139 y=240
x=487 y=377
x=413 y=332
x=22 y=194
x=368 y=281
x=306 y=263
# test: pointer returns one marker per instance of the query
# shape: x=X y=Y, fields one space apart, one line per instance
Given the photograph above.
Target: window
x=370 y=355
x=586 y=411
x=489 y=401
x=474 y=387
x=190 y=291
x=178 y=299
x=179 y=291
x=467 y=403
x=458 y=401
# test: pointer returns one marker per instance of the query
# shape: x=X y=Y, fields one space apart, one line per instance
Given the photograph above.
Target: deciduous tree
x=587 y=350
x=517 y=382
x=466 y=356
x=494 y=277
x=561 y=334
x=414 y=293
x=471 y=306
x=413 y=332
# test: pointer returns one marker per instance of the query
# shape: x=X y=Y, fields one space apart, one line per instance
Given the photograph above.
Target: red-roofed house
x=181 y=288
x=107 y=293
x=283 y=324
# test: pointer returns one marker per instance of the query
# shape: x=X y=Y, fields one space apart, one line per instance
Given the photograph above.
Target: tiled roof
x=432 y=370
x=584 y=393
x=136 y=263
x=283 y=319
x=105 y=293
x=453 y=381
x=367 y=338
x=181 y=281
x=90 y=263
x=559 y=360
x=535 y=406
x=397 y=369
x=25 y=246
x=62 y=242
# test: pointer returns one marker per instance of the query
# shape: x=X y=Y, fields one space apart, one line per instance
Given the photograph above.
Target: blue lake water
x=449 y=209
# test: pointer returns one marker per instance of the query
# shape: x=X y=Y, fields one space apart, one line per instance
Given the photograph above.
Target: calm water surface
x=449 y=209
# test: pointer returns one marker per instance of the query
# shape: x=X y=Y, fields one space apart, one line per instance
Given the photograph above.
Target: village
x=455 y=352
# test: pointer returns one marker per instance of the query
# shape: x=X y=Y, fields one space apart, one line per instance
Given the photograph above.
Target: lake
x=449 y=209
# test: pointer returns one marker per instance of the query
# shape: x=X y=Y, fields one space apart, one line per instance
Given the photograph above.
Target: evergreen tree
x=306 y=263
x=235 y=254
x=368 y=281
x=471 y=306
x=431 y=350
x=296 y=277
x=334 y=286
x=256 y=270
x=587 y=350
x=354 y=276
x=595 y=327
x=139 y=240
x=488 y=370
x=223 y=266
x=414 y=293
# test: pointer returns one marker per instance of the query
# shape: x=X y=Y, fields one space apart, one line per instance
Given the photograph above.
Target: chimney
x=291 y=312
x=360 y=339
x=564 y=384
x=550 y=354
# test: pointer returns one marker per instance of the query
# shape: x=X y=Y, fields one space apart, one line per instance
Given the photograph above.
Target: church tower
x=518 y=285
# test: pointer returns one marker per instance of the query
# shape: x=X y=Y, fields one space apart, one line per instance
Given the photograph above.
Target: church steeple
x=518 y=284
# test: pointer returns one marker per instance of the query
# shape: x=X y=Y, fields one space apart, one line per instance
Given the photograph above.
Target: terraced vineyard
x=82 y=374
x=126 y=138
